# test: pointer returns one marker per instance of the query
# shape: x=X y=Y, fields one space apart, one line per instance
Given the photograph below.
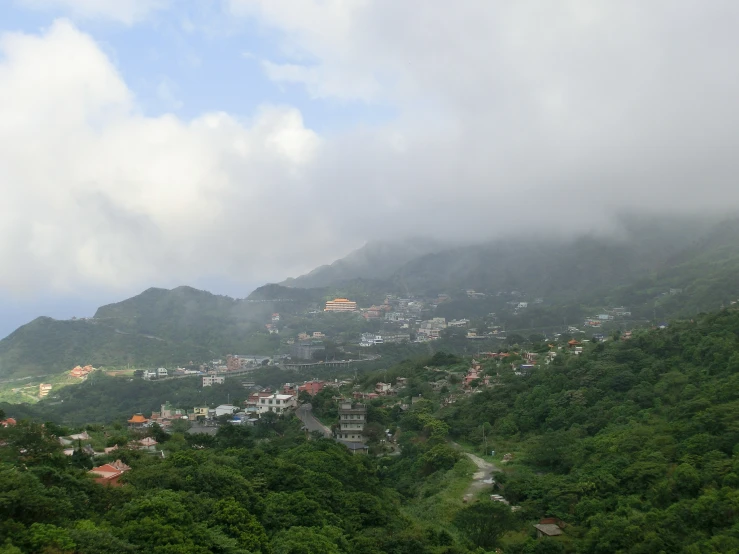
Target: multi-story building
x=234 y=363
x=277 y=403
x=341 y=305
x=209 y=380
x=44 y=389
x=352 y=418
x=305 y=350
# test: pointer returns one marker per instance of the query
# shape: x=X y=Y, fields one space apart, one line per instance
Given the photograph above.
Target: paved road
x=312 y=424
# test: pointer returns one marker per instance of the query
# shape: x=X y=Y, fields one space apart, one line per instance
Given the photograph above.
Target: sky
x=229 y=143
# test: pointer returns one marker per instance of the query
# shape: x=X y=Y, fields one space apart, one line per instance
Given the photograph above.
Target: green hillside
x=634 y=444
x=47 y=346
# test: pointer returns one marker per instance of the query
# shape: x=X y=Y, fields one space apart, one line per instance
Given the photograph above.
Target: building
x=549 y=527
x=44 y=389
x=277 y=403
x=149 y=374
x=81 y=372
x=370 y=339
x=225 y=409
x=209 y=380
x=147 y=443
x=305 y=350
x=161 y=373
x=275 y=317
x=458 y=323
x=233 y=363
x=108 y=474
x=198 y=413
x=383 y=388
x=340 y=305
x=170 y=412
x=352 y=418
x=312 y=387
x=138 y=421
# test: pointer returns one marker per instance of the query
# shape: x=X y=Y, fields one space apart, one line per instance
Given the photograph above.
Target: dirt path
x=484 y=473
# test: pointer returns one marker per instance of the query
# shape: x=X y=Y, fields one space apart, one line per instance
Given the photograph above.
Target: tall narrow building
x=352 y=419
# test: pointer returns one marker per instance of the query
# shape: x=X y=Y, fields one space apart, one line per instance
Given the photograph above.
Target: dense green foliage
x=635 y=443
x=244 y=490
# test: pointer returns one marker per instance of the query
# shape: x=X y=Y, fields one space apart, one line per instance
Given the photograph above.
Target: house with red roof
x=312 y=387
x=8 y=422
x=109 y=474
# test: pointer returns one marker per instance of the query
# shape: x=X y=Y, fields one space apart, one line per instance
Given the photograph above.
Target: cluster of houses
x=71 y=443
x=608 y=315
x=81 y=372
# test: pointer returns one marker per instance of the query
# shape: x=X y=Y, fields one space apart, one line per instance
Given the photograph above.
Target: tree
x=304 y=540
x=484 y=522
x=180 y=425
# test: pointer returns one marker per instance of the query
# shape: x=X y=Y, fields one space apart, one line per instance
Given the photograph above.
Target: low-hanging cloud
x=551 y=117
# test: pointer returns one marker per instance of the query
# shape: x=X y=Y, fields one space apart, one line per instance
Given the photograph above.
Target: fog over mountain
x=486 y=120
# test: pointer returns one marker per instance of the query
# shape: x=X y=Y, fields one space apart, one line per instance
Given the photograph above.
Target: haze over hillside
x=635 y=268
x=375 y=260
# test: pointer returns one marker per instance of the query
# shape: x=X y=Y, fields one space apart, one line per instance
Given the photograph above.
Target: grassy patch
x=441 y=497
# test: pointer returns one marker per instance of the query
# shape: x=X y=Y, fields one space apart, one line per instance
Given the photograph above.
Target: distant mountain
x=47 y=346
x=660 y=268
x=156 y=327
x=375 y=260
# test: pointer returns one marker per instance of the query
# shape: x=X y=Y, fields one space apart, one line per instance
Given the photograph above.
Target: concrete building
x=340 y=305
x=277 y=403
x=305 y=350
x=352 y=418
x=225 y=409
x=209 y=380
x=44 y=389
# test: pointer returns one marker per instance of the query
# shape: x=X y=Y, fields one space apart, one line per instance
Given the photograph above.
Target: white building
x=210 y=380
x=458 y=323
x=150 y=374
x=277 y=403
x=161 y=372
x=226 y=409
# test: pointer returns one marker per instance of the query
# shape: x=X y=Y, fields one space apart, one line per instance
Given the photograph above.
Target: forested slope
x=247 y=490
x=635 y=443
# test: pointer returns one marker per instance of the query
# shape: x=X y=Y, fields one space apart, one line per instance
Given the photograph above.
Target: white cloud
x=95 y=193
x=509 y=118
x=572 y=110
x=124 y=11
